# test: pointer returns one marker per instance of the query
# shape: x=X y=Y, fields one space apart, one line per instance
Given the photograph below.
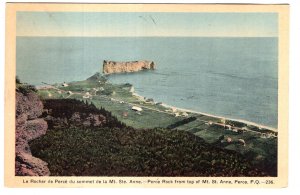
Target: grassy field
x=117 y=99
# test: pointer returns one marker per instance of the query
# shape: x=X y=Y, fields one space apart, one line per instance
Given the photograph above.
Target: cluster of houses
x=88 y=95
x=228 y=127
x=177 y=113
x=264 y=135
x=267 y=135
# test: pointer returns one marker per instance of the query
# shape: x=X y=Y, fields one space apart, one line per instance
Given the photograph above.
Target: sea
x=229 y=77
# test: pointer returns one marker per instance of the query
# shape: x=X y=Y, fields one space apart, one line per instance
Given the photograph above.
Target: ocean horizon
x=230 y=77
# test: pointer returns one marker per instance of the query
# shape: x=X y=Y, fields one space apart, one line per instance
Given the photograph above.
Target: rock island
x=110 y=67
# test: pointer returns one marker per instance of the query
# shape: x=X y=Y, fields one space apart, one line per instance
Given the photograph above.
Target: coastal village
x=145 y=104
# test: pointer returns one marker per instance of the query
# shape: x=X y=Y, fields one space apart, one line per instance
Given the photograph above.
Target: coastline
x=167 y=106
x=210 y=115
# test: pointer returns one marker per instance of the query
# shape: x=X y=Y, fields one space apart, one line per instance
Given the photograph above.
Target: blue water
x=230 y=77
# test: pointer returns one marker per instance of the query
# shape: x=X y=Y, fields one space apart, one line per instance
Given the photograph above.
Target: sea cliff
x=110 y=67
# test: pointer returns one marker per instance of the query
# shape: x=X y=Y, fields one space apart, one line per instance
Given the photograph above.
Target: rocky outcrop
x=110 y=67
x=76 y=120
x=29 y=127
x=70 y=113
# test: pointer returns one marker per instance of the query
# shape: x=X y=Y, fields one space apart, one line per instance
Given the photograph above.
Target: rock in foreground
x=110 y=67
x=29 y=127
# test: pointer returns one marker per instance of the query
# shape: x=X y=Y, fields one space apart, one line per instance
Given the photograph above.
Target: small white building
x=228 y=139
x=184 y=114
x=228 y=127
x=242 y=141
x=65 y=84
x=135 y=108
x=235 y=130
x=263 y=136
x=131 y=90
x=244 y=128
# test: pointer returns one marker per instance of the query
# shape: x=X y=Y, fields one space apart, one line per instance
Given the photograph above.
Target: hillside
x=113 y=149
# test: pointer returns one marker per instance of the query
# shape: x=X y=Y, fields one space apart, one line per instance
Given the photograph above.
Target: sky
x=143 y=24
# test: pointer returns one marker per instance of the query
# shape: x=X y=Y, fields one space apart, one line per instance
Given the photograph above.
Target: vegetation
x=23 y=87
x=65 y=108
x=182 y=122
x=131 y=152
x=118 y=150
x=259 y=151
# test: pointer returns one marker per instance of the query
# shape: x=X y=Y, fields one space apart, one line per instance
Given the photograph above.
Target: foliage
x=24 y=88
x=132 y=152
x=118 y=150
x=182 y=122
x=65 y=108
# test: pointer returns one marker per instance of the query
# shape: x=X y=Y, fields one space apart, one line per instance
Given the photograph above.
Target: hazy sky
x=146 y=24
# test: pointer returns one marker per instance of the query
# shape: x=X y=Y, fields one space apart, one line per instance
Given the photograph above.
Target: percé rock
x=110 y=67
x=28 y=127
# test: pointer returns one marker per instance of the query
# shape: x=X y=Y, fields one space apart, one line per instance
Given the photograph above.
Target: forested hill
x=85 y=141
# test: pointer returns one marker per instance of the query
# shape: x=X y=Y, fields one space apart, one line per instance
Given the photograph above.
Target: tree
x=18 y=80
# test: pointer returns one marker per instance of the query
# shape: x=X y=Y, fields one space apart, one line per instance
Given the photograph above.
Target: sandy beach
x=207 y=114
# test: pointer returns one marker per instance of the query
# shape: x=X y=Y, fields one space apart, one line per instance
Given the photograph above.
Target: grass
x=120 y=93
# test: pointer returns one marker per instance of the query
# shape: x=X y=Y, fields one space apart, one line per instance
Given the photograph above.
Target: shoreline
x=210 y=115
x=143 y=98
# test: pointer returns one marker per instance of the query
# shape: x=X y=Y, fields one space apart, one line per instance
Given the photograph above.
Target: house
x=241 y=141
x=229 y=139
x=228 y=127
x=235 y=130
x=65 y=84
x=245 y=129
x=184 y=114
x=135 y=108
